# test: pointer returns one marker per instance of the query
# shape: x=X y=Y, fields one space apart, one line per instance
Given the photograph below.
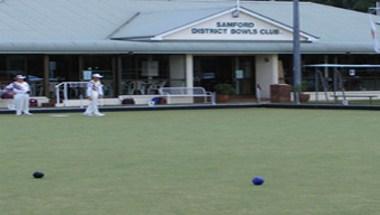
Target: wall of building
x=266 y=73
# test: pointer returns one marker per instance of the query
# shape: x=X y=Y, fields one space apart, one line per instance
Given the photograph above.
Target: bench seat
x=186 y=95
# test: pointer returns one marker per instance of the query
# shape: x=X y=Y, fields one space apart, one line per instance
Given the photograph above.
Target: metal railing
x=187 y=92
x=64 y=88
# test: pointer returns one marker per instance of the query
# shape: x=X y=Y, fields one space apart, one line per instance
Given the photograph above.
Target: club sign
x=226 y=27
x=235 y=28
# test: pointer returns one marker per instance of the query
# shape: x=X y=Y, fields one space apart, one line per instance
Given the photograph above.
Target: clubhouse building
x=142 y=45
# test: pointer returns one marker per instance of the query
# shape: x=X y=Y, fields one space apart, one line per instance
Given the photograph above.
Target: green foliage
x=361 y=5
x=224 y=89
x=303 y=87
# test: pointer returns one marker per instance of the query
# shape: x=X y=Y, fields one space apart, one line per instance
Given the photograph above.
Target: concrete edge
x=202 y=107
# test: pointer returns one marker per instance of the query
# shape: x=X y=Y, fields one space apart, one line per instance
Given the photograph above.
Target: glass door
x=244 y=75
x=235 y=70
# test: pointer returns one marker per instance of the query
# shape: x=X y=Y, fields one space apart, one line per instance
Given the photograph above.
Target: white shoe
x=99 y=114
x=18 y=114
x=28 y=113
x=87 y=114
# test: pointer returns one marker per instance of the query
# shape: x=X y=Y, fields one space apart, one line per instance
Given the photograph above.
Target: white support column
x=266 y=73
x=189 y=71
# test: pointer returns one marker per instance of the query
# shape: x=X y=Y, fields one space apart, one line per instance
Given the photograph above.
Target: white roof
x=88 y=26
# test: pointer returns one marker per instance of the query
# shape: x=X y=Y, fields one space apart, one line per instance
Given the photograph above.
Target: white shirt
x=19 y=87
x=94 y=86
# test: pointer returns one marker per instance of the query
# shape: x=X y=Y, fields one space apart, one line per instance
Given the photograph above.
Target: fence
x=69 y=90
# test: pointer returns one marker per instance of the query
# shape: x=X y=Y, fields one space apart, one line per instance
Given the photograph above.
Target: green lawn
x=196 y=162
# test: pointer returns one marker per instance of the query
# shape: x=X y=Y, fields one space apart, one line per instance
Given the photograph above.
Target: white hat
x=97 y=75
x=20 y=77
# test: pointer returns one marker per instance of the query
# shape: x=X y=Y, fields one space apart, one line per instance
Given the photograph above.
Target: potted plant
x=223 y=92
x=303 y=96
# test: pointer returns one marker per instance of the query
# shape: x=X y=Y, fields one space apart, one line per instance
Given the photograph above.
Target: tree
x=361 y=5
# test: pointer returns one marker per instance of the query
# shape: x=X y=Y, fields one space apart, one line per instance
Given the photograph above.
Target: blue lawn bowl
x=258 y=180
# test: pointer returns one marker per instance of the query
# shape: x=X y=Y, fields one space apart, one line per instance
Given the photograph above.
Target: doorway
x=239 y=71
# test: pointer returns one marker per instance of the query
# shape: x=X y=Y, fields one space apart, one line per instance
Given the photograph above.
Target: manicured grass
x=192 y=162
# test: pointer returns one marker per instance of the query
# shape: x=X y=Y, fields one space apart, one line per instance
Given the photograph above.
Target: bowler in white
x=94 y=92
x=21 y=90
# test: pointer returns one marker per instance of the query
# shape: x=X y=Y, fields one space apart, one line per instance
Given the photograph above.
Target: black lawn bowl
x=38 y=175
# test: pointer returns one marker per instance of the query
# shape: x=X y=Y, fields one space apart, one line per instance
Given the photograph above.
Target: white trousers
x=92 y=108
x=21 y=103
x=11 y=104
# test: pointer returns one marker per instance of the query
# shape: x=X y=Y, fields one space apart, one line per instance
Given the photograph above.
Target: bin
x=280 y=93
